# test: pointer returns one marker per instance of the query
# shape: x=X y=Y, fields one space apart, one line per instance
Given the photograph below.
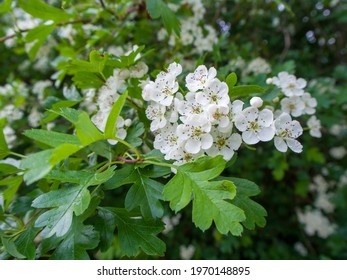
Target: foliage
x=82 y=174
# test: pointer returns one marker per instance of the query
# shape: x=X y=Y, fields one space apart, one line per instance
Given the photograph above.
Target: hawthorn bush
x=173 y=129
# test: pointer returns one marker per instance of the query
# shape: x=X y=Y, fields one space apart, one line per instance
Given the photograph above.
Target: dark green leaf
x=135 y=233
x=106 y=225
x=77 y=241
x=11 y=248
x=25 y=242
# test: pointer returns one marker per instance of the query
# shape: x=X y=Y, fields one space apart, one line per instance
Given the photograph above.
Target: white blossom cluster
x=192 y=33
x=297 y=101
x=257 y=66
x=109 y=94
x=170 y=222
x=314 y=220
x=316 y=223
x=205 y=121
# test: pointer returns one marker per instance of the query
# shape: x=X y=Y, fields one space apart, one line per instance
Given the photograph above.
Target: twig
x=82 y=20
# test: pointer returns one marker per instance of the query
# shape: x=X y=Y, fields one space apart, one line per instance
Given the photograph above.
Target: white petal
x=192 y=146
x=235 y=141
x=206 y=141
x=250 y=137
x=240 y=122
x=266 y=133
x=265 y=117
x=250 y=113
x=237 y=106
x=280 y=144
x=227 y=153
x=294 y=145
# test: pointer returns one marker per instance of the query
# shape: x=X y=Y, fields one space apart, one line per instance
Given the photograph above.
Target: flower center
x=254 y=126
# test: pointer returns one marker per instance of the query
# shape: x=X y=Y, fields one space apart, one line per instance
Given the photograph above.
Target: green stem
x=16 y=154
x=159 y=163
x=138 y=155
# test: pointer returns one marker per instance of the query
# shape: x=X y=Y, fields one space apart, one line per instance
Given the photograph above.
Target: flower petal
x=280 y=144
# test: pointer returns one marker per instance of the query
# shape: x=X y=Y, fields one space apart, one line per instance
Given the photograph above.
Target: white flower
x=315 y=126
x=310 y=103
x=224 y=144
x=174 y=69
x=10 y=136
x=293 y=105
x=196 y=134
x=156 y=113
x=189 y=106
x=186 y=253
x=34 y=117
x=167 y=141
x=258 y=66
x=138 y=70
x=338 y=152
x=162 y=90
x=286 y=133
x=219 y=115
x=200 y=78
x=289 y=84
x=316 y=223
x=255 y=125
x=256 y=102
x=216 y=92
x=323 y=202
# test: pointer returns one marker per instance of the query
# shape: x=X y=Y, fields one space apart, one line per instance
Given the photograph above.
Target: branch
x=81 y=20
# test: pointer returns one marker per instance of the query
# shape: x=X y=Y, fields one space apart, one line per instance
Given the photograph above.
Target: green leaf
x=135 y=233
x=64 y=202
x=231 y=80
x=86 y=131
x=25 y=242
x=5 y=6
x=158 y=8
x=77 y=241
x=51 y=138
x=211 y=199
x=144 y=192
x=41 y=10
x=106 y=226
x=67 y=201
x=87 y=80
x=37 y=166
x=70 y=114
x=76 y=177
x=4 y=151
x=62 y=152
x=37 y=37
x=255 y=213
x=153 y=8
x=13 y=184
x=8 y=169
x=11 y=248
x=111 y=127
x=239 y=91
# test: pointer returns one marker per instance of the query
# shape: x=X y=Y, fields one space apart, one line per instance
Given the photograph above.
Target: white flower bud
x=256 y=102
x=269 y=81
